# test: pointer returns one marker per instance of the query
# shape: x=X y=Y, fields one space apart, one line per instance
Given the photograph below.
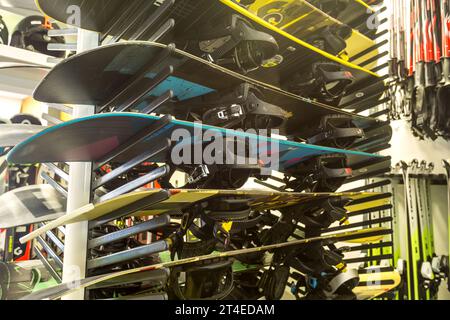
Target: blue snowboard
x=91 y=139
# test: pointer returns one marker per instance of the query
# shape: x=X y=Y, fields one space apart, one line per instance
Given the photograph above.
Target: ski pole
x=428 y=44
x=429 y=49
x=394 y=65
x=443 y=92
x=401 y=50
x=419 y=105
x=437 y=74
x=410 y=58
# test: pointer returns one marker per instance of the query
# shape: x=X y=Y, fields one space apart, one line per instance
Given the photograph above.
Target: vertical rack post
x=79 y=194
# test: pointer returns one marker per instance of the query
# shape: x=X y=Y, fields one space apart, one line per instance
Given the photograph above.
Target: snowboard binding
x=315 y=216
x=274 y=281
x=226 y=222
x=320 y=215
x=325 y=81
x=338 y=131
x=332 y=40
x=243 y=108
x=321 y=174
x=323 y=274
x=218 y=177
x=208 y=280
x=233 y=42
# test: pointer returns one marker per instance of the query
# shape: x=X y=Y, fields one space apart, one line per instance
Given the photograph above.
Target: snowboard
x=355 y=55
x=30 y=205
x=370 y=235
x=202 y=22
x=177 y=200
x=374 y=282
x=372 y=285
x=196 y=84
x=90 y=139
x=303 y=20
x=12 y=134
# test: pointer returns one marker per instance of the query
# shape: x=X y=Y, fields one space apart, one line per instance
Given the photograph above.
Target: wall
x=406 y=147
x=9 y=106
x=9 y=103
x=11 y=20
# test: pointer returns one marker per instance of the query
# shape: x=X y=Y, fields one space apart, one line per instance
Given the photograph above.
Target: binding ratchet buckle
x=200 y=172
x=225 y=114
x=242 y=108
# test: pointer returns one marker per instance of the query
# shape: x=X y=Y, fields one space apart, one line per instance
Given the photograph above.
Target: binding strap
x=338 y=130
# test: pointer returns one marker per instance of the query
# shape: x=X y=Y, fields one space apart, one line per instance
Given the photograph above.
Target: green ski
x=413 y=259
x=426 y=276
x=447 y=169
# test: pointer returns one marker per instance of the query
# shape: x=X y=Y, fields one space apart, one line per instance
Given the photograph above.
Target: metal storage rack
x=69 y=260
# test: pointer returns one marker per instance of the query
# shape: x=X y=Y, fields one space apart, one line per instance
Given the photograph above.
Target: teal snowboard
x=91 y=139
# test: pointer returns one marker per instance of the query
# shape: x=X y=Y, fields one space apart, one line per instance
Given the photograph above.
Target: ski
x=447 y=169
x=427 y=169
x=413 y=259
x=398 y=221
x=426 y=272
x=433 y=259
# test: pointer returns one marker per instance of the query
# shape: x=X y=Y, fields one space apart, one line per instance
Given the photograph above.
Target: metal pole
x=79 y=194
